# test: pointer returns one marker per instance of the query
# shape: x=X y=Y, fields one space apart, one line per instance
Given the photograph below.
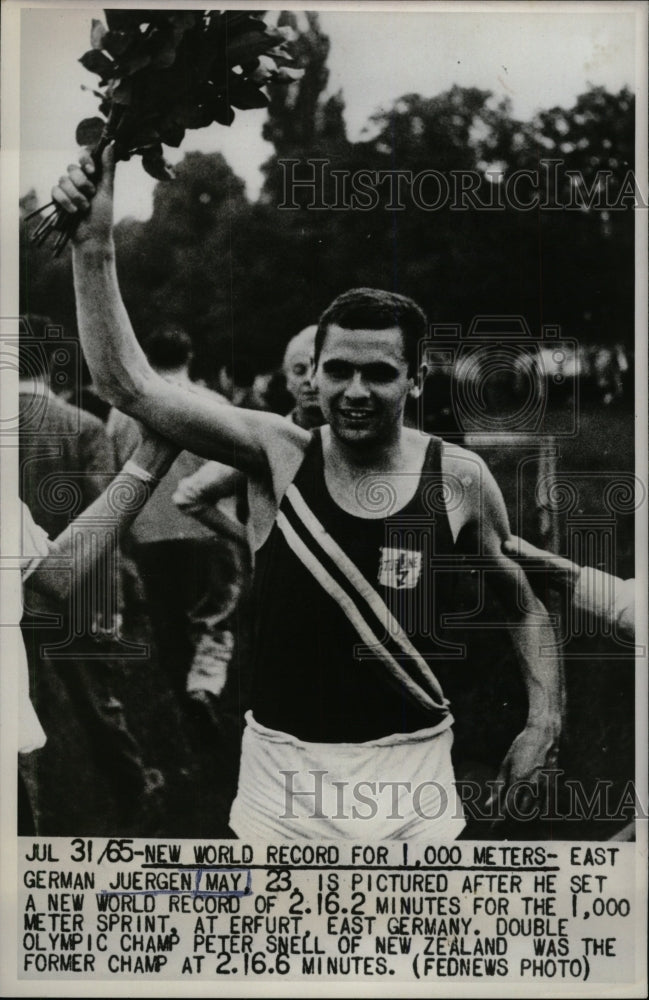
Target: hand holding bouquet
x=162 y=72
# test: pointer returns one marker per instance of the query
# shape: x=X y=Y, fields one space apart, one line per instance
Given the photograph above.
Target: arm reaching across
x=262 y=445
x=483 y=532
x=590 y=590
x=562 y=574
x=83 y=543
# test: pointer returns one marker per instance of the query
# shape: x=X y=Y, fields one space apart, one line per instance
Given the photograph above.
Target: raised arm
x=485 y=529
x=243 y=438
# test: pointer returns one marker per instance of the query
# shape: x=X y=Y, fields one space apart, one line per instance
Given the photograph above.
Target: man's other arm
x=531 y=633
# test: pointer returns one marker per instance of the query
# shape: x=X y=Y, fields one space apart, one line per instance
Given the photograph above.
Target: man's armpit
x=285 y=446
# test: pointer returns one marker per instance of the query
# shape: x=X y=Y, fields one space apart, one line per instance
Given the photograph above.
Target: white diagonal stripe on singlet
x=347 y=605
x=363 y=587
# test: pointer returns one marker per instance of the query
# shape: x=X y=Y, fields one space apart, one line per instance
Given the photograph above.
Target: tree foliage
x=163 y=72
x=166 y=71
x=244 y=277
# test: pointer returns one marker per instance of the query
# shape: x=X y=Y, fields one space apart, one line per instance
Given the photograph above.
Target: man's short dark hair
x=375 y=309
x=168 y=348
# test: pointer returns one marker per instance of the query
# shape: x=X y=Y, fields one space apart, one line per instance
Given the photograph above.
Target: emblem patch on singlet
x=399 y=568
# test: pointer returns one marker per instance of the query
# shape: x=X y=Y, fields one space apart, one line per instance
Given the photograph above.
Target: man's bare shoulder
x=471 y=482
x=465 y=466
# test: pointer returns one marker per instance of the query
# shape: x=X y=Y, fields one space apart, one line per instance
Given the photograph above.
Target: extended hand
x=560 y=573
x=87 y=191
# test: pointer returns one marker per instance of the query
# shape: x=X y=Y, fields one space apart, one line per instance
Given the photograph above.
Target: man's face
x=297 y=369
x=362 y=378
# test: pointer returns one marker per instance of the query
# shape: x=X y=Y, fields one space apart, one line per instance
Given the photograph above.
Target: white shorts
x=399 y=787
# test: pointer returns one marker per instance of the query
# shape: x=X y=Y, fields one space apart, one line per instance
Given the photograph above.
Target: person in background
x=86 y=397
x=65 y=463
x=235 y=381
x=56 y=570
x=298 y=371
x=60 y=444
x=191 y=575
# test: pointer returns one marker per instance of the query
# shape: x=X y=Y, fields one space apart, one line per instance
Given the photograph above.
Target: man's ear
x=418 y=382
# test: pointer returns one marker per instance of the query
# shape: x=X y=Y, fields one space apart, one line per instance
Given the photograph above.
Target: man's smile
x=355 y=413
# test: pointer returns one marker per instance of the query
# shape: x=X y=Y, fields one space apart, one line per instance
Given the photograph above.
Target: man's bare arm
x=487 y=527
x=245 y=439
x=536 y=747
x=559 y=573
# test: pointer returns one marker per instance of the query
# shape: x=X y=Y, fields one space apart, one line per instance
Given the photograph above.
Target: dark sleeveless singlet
x=316 y=673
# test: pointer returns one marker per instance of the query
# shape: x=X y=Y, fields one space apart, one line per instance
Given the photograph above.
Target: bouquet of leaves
x=162 y=72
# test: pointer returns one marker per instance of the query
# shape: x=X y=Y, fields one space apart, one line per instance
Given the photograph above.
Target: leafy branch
x=163 y=72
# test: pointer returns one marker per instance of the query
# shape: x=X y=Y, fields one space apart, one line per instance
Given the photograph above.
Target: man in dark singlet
x=356 y=528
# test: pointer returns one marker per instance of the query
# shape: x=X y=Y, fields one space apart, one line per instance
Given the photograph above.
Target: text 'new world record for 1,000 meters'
x=133 y=909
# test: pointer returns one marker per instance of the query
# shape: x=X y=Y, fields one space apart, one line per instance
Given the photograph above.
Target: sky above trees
x=536 y=60
x=246 y=273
